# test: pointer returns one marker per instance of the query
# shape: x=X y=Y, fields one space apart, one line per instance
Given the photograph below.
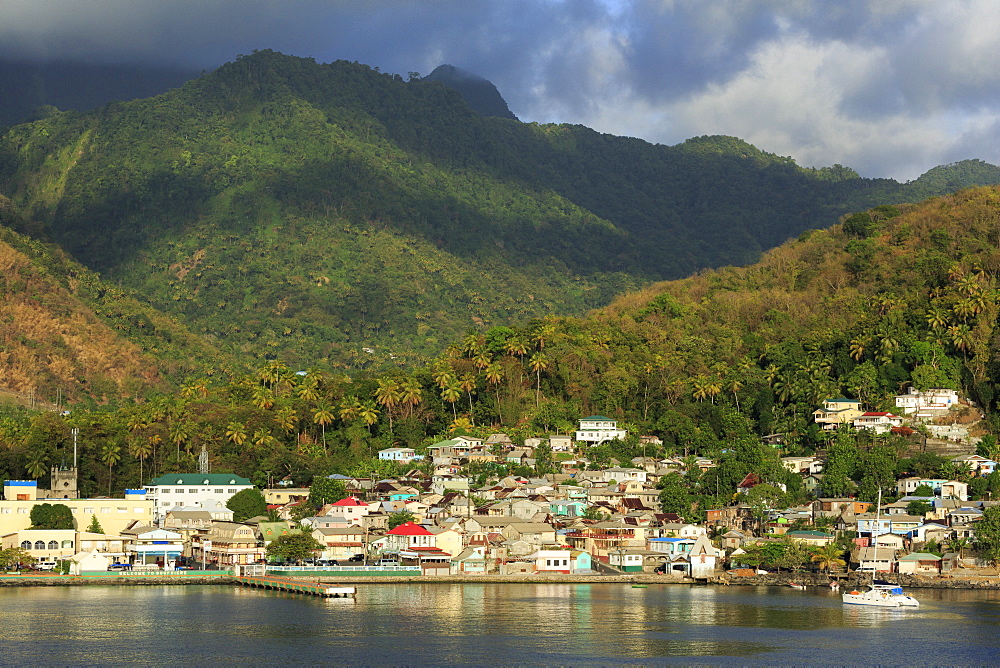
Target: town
x=447 y=516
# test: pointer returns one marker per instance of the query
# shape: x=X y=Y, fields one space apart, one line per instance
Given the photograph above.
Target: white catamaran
x=880 y=593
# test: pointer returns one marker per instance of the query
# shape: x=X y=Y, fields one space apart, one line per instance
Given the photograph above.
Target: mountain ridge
x=280 y=206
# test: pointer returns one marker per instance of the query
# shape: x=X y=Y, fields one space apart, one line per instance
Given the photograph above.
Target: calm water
x=490 y=624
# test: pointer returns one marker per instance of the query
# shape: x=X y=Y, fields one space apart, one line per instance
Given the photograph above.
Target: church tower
x=63 y=485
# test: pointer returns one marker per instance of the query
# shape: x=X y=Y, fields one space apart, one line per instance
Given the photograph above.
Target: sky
x=888 y=87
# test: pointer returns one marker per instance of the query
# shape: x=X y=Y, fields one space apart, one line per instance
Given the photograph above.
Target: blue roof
x=20 y=483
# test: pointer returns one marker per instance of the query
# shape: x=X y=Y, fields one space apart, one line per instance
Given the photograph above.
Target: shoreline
x=723 y=579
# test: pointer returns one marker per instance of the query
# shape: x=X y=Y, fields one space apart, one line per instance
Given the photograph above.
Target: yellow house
x=836 y=412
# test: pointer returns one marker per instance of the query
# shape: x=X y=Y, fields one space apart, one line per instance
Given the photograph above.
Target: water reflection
x=484 y=624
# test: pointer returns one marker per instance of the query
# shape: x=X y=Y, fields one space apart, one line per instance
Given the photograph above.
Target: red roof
x=349 y=501
x=409 y=529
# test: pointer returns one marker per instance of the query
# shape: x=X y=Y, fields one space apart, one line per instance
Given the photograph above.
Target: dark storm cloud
x=891 y=87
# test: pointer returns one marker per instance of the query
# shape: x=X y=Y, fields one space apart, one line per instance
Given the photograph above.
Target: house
x=280 y=496
x=193 y=491
x=622 y=474
x=703 y=557
x=471 y=561
x=803 y=465
x=407 y=537
x=597 y=429
x=811 y=538
x=340 y=543
x=403 y=455
x=92 y=561
x=229 y=543
x=151 y=546
x=628 y=560
x=879 y=559
x=977 y=464
x=560 y=561
x=880 y=423
x=934 y=399
x=920 y=563
x=351 y=510
x=836 y=412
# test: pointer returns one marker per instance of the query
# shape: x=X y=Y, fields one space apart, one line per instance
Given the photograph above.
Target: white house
x=398 y=455
x=193 y=491
x=597 y=429
x=880 y=423
x=916 y=400
x=621 y=474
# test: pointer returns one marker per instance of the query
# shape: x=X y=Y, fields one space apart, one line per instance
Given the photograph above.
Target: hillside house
x=597 y=429
x=836 y=412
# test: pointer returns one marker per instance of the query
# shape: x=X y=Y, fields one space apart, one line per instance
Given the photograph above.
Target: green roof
x=598 y=417
x=200 y=479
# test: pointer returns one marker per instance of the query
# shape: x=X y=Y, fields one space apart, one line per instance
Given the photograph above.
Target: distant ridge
x=479 y=93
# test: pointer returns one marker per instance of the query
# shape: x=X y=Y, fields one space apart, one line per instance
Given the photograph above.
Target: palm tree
x=262 y=438
x=286 y=418
x=494 y=374
x=37 y=467
x=140 y=448
x=111 y=454
x=323 y=416
x=368 y=414
x=263 y=398
x=349 y=408
x=180 y=432
x=828 y=556
x=410 y=393
x=387 y=395
x=236 y=433
x=468 y=383
x=959 y=545
x=452 y=393
x=539 y=362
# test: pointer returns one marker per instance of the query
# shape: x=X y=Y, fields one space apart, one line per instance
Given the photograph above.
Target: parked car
x=357 y=557
x=46 y=565
x=387 y=562
x=120 y=567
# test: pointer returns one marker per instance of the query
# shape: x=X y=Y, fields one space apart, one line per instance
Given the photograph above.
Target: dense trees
x=52 y=516
x=246 y=504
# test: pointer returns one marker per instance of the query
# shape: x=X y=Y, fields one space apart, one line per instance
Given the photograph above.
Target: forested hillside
x=67 y=335
x=289 y=209
x=889 y=298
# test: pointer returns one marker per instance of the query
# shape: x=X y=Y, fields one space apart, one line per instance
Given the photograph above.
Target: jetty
x=298 y=586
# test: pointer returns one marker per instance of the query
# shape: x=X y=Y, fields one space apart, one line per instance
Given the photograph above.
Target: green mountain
x=333 y=215
x=479 y=93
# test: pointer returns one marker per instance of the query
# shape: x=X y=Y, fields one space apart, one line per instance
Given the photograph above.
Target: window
x=180 y=491
x=219 y=491
x=39 y=544
x=122 y=509
x=231 y=491
x=67 y=544
x=5 y=511
x=192 y=491
x=74 y=510
x=23 y=511
x=89 y=510
x=53 y=545
x=26 y=545
x=139 y=511
x=106 y=509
